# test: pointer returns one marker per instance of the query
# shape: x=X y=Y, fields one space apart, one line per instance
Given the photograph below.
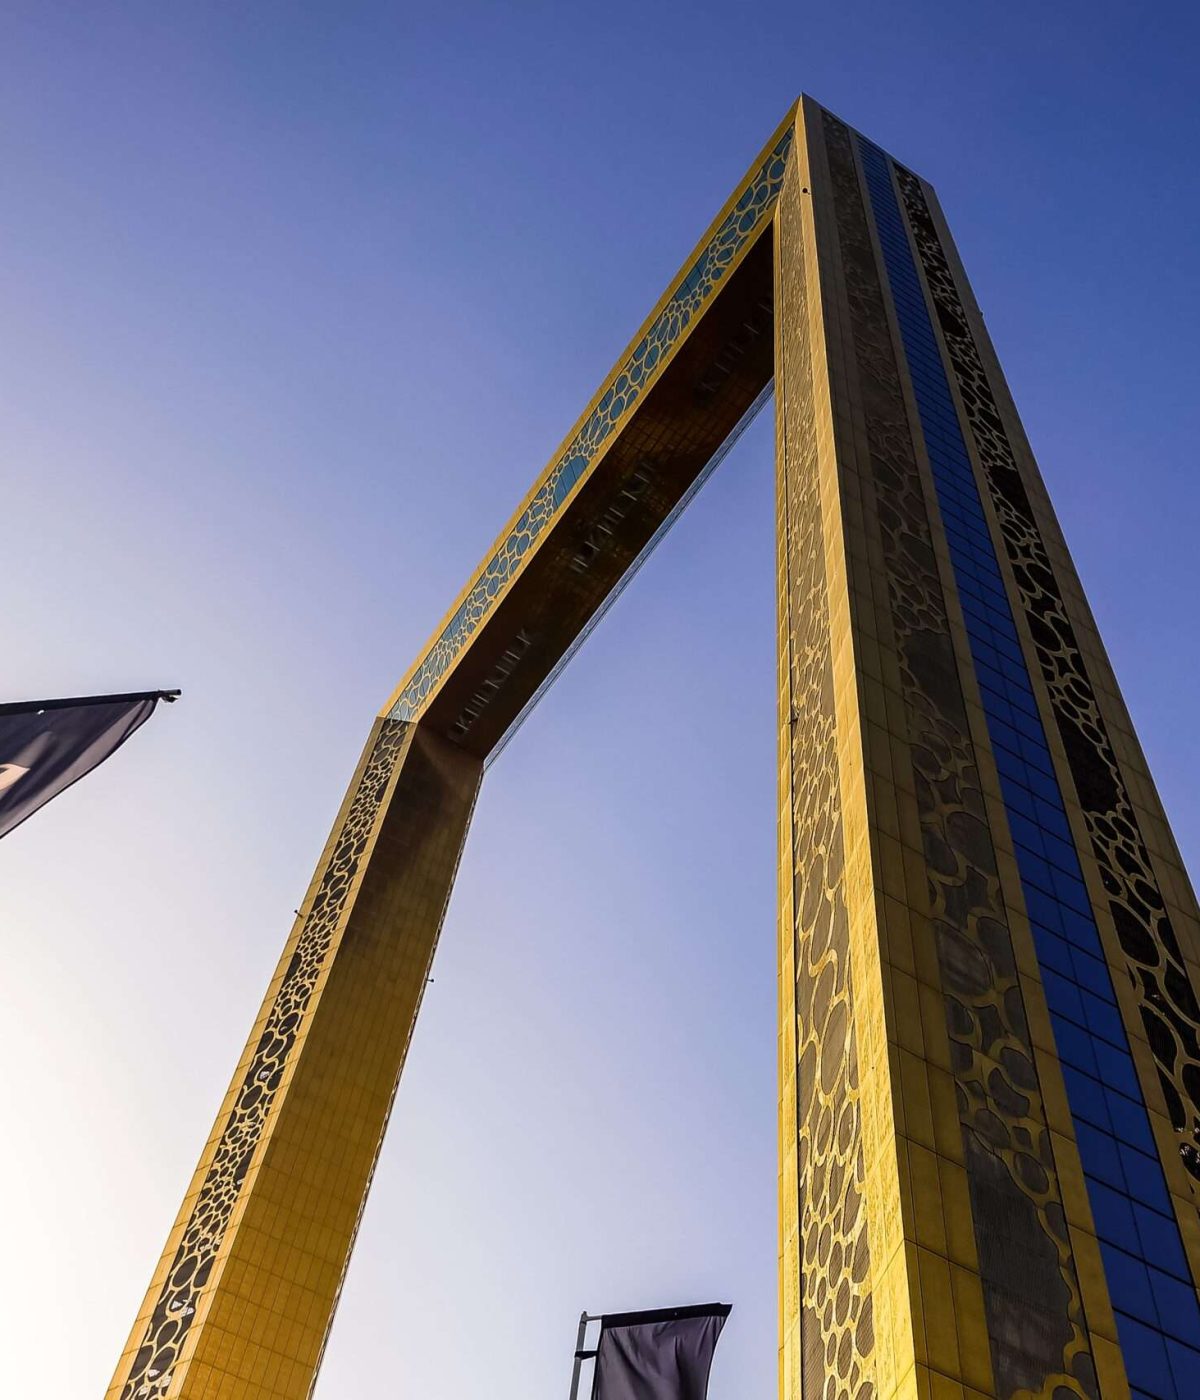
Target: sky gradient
x=299 y=299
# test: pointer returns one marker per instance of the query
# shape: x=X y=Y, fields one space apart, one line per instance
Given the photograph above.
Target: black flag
x=46 y=745
x=664 y=1355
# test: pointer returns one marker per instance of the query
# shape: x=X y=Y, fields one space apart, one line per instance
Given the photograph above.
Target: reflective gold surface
x=935 y=1233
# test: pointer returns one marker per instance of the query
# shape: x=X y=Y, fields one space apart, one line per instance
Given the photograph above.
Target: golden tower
x=989 y=1035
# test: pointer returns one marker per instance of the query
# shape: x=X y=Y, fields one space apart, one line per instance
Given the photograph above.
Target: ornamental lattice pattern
x=154 y=1365
x=629 y=383
x=1036 y=1318
x=837 y=1318
x=1165 y=998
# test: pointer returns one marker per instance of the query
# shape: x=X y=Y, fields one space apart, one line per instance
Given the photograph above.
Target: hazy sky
x=298 y=299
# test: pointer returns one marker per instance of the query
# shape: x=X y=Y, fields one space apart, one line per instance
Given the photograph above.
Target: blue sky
x=298 y=300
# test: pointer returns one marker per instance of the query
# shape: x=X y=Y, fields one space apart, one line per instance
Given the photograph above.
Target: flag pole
x=581 y=1355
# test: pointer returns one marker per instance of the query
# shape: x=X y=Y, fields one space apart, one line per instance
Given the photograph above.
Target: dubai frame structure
x=989 y=1036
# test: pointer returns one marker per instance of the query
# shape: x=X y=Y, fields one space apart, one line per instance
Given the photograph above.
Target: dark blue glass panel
x=1076 y=1047
x=1087 y=1098
x=1103 y=1019
x=1100 y=1156
x=1129 y=1284
x=1092 y=973
x=1146 y=1364
x=1116 y=1069
x=1185 y=1367
x=1113 y=1213
x=1160 y=1242
x=1176 y=1305
x=1129 y=1121
x=1064 y=997
x=1145 y=1178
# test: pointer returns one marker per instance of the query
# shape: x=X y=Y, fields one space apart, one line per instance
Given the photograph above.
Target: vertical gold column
x=875 y=875
x=846 y=1322
x=933 y=1221
x=993 y=1285
x=243 y=1297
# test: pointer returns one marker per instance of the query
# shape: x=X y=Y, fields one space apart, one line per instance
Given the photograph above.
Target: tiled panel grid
x=1157 y=1314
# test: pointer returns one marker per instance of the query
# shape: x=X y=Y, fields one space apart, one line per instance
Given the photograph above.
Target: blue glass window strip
x=1158 y=1316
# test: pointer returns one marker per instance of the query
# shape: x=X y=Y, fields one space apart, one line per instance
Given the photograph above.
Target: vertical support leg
x=243 y=1297
x=828 y=1307
x=926 y=1246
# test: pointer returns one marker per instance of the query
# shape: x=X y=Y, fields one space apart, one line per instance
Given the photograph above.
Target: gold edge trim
x=895 y=1354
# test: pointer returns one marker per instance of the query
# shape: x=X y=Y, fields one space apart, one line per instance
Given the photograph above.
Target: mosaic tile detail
x=1167 y=1002
x=153 y=1366
x=1031 y=1290
x=628 y=384
x=837 y=1316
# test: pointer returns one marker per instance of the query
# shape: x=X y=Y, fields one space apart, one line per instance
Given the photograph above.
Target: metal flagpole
x=580 y=1354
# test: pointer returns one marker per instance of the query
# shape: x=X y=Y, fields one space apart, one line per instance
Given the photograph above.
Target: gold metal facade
x=952 y=1208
